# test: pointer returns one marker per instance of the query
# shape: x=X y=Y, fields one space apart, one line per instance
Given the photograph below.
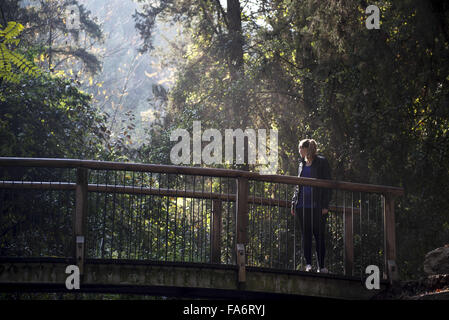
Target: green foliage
x=48 y=117
x=10 y=58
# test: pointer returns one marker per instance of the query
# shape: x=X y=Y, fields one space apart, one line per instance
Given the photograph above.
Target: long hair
x=311 y=146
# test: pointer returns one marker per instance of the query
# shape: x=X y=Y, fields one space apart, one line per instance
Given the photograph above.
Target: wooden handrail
x=178 y=193
x=215 y=172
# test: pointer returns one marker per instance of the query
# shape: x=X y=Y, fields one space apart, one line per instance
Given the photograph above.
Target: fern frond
x=11 y=31
x=9 y=57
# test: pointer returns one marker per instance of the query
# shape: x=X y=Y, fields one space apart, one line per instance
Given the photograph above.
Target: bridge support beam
x=113 y=276
x=80 y=217
x=241 y=226
x=391 y=270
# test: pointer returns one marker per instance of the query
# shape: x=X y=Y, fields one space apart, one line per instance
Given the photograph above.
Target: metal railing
x=110 y=210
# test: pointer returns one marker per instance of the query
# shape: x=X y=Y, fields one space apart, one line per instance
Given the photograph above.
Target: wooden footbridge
x=184 y=231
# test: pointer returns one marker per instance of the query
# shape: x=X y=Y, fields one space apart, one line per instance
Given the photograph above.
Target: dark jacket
x=320 y=170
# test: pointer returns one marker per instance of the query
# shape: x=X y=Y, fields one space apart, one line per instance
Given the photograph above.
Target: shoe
x=308 y=268
x=323 y=270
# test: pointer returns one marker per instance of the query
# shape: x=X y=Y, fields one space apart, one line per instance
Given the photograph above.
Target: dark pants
x=307 y=225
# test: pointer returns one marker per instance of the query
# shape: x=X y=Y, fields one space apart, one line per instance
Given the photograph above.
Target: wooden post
x=349 y=243
x=215 y=241
x=241 y=225
x=391 y=271
x=80 y=217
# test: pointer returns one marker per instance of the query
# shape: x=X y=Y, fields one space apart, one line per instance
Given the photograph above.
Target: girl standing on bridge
x=311 y=204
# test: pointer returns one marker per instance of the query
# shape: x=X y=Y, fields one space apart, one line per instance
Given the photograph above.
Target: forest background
x=376 y=101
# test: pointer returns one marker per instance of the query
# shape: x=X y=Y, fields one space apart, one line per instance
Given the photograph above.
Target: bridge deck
x=177 y=279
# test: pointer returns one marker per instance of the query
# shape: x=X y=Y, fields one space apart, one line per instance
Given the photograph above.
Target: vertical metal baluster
x=146 y=228
x=200 y=223
x=206 y=228
x=14 y=197
x=334 y=236
x=103 y=243
x=189 y=225
x=270 y=224
x=140 y=241
x=342 y=237
x=60 y=217
x=176 y=217
x=334 y=219
x=151 y=219
x=126 y=201
x=304 y=225
x=312 y=208
x=227 y=226
x=148 y=210
x=261 y=227
x=294 y=236
x=368 y=226
x=209 y=226
x=158 y=227
x=378 y=257
x=266 y=226
x=184 y=203
x=167 y=222
x=39 y=218
x=279 y=226
x=202 y=235
x=328 y=232
x=352 y=222
x=249 y=229
x=70 y=210
x=120 y=227
x=252 y=237
x=344 y=232
x=94 y=219
x=334 y=232
x=327 y=241
x=114 y=196
x=53 y=222
x=287 y=216
x=130 y=217
x=382 y=234
x=63 y=215
x=221 y=222
x=136 y=217
x=192 y=225
x=361 y=235
x=193 y=222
